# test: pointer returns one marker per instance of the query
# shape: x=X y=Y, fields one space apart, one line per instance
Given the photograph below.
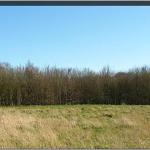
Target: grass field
x=75 y=126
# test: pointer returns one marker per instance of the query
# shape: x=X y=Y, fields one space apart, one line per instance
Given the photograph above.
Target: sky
x=76 y=36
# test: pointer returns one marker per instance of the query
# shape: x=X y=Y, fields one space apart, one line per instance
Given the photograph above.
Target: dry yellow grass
x=78 y=126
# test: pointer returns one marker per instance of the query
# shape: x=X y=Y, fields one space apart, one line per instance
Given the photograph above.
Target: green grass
x=75 y=126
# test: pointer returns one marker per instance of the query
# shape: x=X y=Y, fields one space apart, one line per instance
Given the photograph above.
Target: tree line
x=29 y=85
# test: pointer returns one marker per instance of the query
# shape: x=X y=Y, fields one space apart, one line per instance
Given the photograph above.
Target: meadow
x=75 y=126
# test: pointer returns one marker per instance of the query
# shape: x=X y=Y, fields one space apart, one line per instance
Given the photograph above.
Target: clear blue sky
x=76 y=36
